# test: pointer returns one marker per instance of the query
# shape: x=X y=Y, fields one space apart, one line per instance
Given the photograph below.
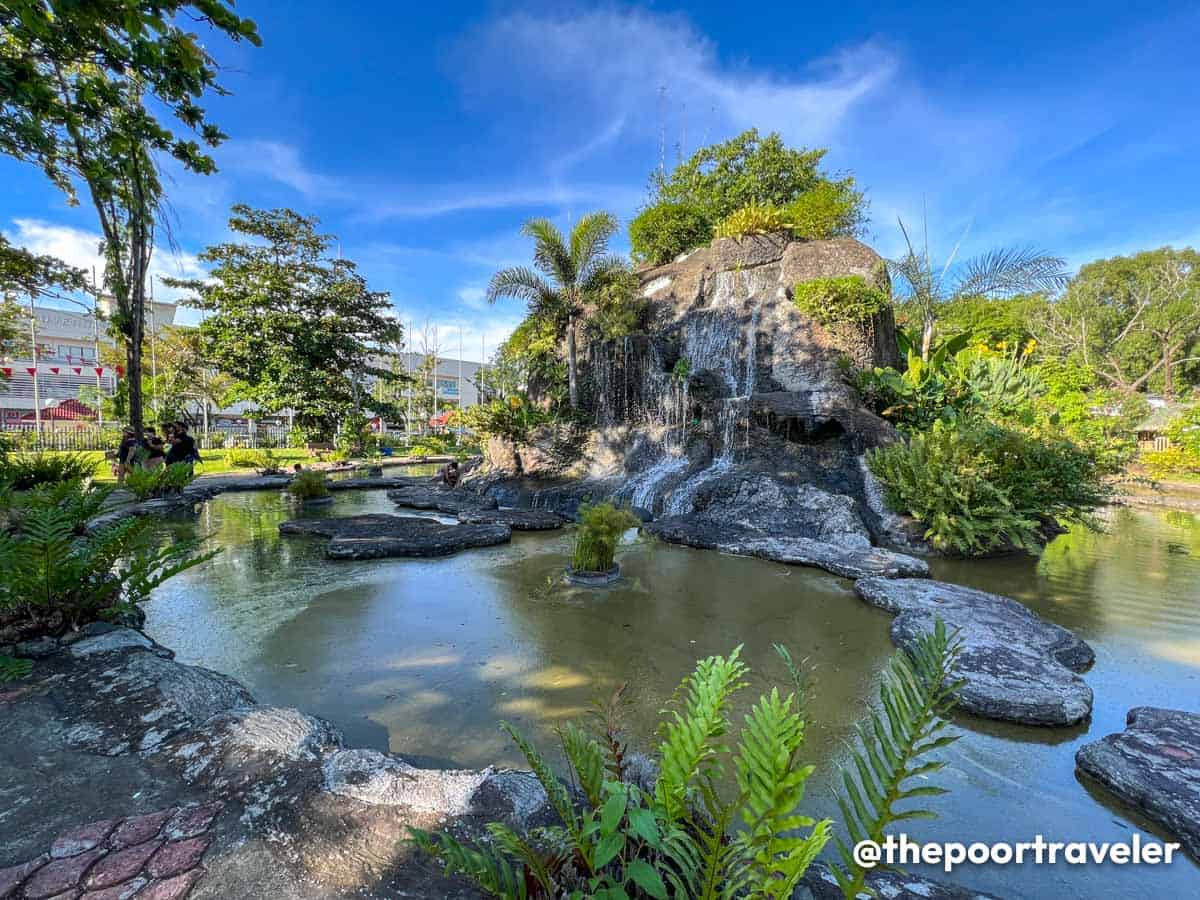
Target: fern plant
x=916 y=696
x=12 y=669
x=308 y=484
x=56 y=574
x=676 y=840
x=160 y=482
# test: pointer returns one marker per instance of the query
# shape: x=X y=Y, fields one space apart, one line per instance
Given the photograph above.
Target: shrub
x=1171 y=461
x=753 y=218
x=977 y=487
x=830 y=209
x=834 y=301
x=28 y=470
x=600 y=528
x=676 y=838
x=263 y=461
x=216 y=439
x=308 y=484
x=511 y=418
x=664 y=230
x=160 y=482
x=56 y=575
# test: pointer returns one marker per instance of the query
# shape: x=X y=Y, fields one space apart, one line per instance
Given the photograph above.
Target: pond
x=425 y=657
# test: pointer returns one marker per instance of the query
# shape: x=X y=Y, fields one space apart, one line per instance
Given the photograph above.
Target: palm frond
x=599 y=273
x=519 y=283
x=589 y=239
x=551 y=255
x=1011 y=270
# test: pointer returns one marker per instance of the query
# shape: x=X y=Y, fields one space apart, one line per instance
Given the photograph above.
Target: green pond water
x=424 y=657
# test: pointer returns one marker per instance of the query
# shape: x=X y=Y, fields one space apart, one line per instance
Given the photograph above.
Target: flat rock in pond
x=377 y=535
x=368 y=483
x=517 y=519
x=1154 y=766
x=849 y=562
x=1018 y=666
x=443 y=499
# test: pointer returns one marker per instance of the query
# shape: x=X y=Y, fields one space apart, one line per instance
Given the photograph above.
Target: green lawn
x=216 y=462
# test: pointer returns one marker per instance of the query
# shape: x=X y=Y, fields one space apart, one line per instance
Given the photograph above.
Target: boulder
x=378 y=778
x=372 y=482
x=848 y=562
x=1154 y=766
x=377 y=535
x=1018 y=667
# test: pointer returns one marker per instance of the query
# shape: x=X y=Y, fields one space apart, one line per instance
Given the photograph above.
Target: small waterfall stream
x=712 y=343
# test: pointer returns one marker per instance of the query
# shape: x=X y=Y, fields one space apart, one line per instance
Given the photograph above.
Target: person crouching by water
x=450 y=474
x=183 y=447
x=125 y=453
x=156 y=453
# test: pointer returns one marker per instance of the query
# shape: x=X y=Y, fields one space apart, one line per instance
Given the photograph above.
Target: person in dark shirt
x=156 y=453
x=182 y=449
x=125 y=453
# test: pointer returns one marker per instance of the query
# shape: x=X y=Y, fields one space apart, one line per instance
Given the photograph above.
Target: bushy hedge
x=663 y=231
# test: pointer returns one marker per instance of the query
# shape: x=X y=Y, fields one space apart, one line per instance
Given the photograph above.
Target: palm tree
x=566 y=275
x=1000 y=273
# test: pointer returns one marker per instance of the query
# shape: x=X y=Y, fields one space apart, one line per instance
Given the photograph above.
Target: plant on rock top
x=676 y=839
x=834 y=301
x=308 y=484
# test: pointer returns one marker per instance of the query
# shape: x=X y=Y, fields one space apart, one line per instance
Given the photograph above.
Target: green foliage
x=1008 y=321
x=1134 y=320
x=916 y=696
x=618 y=310
x=28 y=470
x=12 y=669
x=600 y=528
x=682 y=370
x=55 y=573
x=619 y=841
x=719 y=180
x=512 y=418
x=355 y=434
x=159 y=482
x=753 y=218
x=1162 y=464
x=833 y=301
x=308 y=484
x=569 y=272
x=978 y=487
x=295 y=328
x=664 y=230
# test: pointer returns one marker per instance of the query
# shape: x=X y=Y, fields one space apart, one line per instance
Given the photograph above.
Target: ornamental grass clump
x=308 y=485
x=722 y=818
x=24 y=471
x=600 y=528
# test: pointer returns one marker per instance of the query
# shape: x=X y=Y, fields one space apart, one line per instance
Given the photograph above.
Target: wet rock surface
x=854 y=562
x=516 y=519
x=443 y=499
x=1154 y=766
x=818 y=883
x=1018 y=666
x=378 y=535
x=371 y=482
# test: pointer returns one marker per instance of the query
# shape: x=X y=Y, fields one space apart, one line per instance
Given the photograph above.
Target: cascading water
x=728 y=415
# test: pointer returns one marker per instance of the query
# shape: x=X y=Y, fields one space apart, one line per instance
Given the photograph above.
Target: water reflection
x=425 y=656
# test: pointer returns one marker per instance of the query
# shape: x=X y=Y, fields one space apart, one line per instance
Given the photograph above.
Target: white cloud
x=607 y=68
x=80 y=248
x=282 y=163
x=481 y=333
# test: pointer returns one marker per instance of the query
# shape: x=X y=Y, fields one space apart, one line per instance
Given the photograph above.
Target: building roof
x=1161 y=417
x=69 y=409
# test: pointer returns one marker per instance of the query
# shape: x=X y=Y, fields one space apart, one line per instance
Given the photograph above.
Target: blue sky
x=423 y=135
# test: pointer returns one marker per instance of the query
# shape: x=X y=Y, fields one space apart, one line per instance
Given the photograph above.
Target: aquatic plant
x=308 y=484
x=675 y=838
x=600 y=528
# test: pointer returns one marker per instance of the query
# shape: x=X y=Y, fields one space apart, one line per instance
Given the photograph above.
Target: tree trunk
x=572 y=365
x=926 y=337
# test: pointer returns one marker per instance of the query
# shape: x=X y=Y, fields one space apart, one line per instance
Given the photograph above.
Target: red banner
x=77 y=370
x=54 y=369
x=7 y=370
x=32 y=370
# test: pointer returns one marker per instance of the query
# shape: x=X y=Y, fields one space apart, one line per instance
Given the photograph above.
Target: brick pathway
x=155 y=856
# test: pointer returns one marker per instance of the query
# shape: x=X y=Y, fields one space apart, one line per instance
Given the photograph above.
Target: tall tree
x=93 y=93
x=567 y=275
x=1000 y=273
x=1131 y=318
x=296 y=329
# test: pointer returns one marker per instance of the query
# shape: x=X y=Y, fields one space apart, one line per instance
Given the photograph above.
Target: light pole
x=37 y=401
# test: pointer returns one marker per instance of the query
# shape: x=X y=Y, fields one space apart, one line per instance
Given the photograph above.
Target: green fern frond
x=689 y=736
x=556 y=793
x=587 y=761
x=772 y=789
x=541 y=865
x=916 y=695
x=12 y=669
x=491 y=871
